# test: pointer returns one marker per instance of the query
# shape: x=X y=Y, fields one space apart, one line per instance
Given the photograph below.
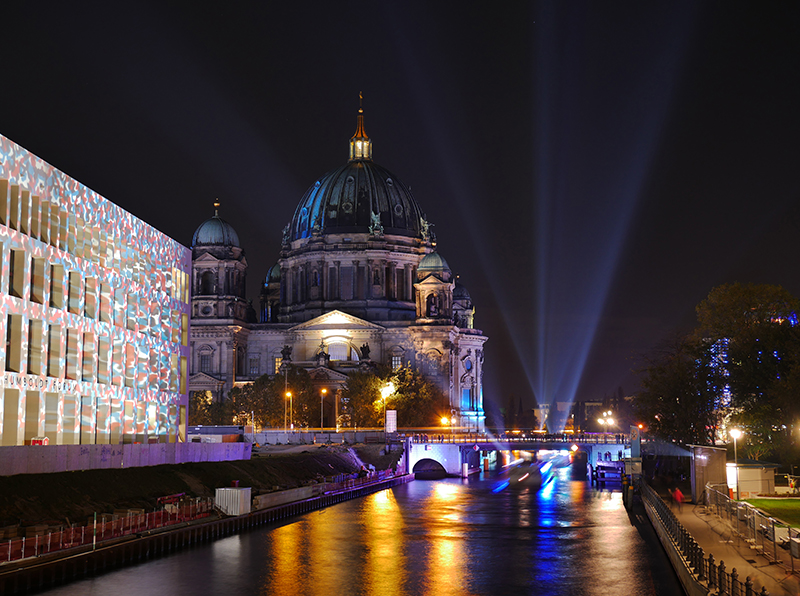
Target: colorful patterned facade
x=94 y=305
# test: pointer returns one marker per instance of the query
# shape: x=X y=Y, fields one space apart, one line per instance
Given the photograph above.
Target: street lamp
x=446 y=422
x=322 y=408
x=291 y=412
x=736 y=433
x=606 y=420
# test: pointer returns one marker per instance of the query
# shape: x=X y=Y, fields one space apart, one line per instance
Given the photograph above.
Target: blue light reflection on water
x=424 y=538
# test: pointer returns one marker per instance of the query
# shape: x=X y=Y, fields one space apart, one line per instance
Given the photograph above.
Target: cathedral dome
x=274 y=274
x=432 y=263
x=215 y=231
x=360 y=197
x=460 y=292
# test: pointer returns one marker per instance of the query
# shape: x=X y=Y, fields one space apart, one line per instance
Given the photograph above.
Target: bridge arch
x=429 y=468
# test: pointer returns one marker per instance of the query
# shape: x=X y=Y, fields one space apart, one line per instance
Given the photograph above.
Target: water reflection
x=424 y=538
x=381 y=525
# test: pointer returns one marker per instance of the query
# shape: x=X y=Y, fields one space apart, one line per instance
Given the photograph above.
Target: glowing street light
x=606 y=419
x=446 y=422
x=386 y=391
x=291 y=411
x=321 y=408
x=736 y=433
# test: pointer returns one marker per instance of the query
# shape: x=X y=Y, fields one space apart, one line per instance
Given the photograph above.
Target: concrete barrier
x=282 y=497
x=46 y=459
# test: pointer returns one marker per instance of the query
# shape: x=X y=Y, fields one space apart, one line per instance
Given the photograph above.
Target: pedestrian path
x=716 y=538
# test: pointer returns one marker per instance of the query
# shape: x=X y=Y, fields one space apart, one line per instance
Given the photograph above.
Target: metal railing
x=567 y=439
x=705 y=569
x=14 y=549
x=348 y=481
x=770 y=537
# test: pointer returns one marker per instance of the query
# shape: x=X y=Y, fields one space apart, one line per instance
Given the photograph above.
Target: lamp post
x=735 y=433
x=446 y=422
x=285 y=391
x=386 y=391
x=291 y=413
x=322 y=408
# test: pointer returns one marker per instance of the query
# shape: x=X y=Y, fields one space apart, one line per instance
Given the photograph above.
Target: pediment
x=433 y=281
x=206 y=259
x=202 y=378
x=321 y=373
x=336 y=319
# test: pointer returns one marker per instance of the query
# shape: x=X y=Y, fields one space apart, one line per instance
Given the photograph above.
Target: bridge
x=463 y=454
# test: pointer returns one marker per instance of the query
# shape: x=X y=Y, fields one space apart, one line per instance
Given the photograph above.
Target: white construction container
x=233 y=501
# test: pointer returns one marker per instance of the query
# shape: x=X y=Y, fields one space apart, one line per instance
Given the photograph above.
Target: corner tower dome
x=359 y=197
x=433 y=264
x=215 y=231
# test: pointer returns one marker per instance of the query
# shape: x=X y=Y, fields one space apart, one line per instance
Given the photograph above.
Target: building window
x=205 y=363
x=16 y=273
x=338 y=351
x=253 y=366
x=397 y=362
x=37 y=279
x=278 y=362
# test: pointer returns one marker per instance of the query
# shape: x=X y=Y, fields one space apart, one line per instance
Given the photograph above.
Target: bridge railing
x=566 y=439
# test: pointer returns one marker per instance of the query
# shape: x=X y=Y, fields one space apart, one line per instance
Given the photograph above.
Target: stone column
x=323 y=280
x=337 y=290
x=355 y=280
x=391 y=283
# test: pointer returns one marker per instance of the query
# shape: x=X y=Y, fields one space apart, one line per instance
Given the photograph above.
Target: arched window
x=432 y=305
x=206 y=352
x=339 y=351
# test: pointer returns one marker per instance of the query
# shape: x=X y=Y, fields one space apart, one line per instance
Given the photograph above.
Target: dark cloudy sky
x=592 y=169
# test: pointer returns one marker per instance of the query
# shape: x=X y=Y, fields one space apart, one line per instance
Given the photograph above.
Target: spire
x=360 y=145
x=216 y=207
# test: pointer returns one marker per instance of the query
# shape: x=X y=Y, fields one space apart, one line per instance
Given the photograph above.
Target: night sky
x=592 y=169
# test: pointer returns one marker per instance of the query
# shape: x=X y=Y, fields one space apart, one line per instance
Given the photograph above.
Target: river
x=433 y=538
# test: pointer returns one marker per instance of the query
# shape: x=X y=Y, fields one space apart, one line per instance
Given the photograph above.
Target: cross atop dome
x=360 y=144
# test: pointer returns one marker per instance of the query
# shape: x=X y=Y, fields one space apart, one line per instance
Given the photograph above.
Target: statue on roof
x=375 y=227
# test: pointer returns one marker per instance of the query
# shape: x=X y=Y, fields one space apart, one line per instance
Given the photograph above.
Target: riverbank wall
x=49 y=459
x=38 y=573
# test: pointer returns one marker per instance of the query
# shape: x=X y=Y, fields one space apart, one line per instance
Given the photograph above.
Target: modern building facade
x=358 y=280
x=94 y=305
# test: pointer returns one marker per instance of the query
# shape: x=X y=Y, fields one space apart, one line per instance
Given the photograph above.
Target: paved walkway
x=715 y=537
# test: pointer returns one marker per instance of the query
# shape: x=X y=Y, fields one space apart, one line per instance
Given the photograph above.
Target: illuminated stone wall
x=94 y=314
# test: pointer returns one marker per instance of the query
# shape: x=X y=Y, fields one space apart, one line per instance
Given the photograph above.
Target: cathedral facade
x=358 y=280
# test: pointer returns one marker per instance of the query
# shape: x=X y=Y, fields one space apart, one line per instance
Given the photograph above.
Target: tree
x=203 y=410
x=741 y=365
x=419 y=403
x=265 y=398
x=675 y=399
x=731 y=309
x=361 y=399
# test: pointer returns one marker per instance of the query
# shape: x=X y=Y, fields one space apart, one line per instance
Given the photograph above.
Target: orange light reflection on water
x=384 y=561
x=285 y=553
x=446 y=571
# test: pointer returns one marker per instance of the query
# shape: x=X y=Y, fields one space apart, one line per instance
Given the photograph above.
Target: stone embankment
x=282 y=468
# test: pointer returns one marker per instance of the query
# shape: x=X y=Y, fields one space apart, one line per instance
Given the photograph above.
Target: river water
x=431 y=538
